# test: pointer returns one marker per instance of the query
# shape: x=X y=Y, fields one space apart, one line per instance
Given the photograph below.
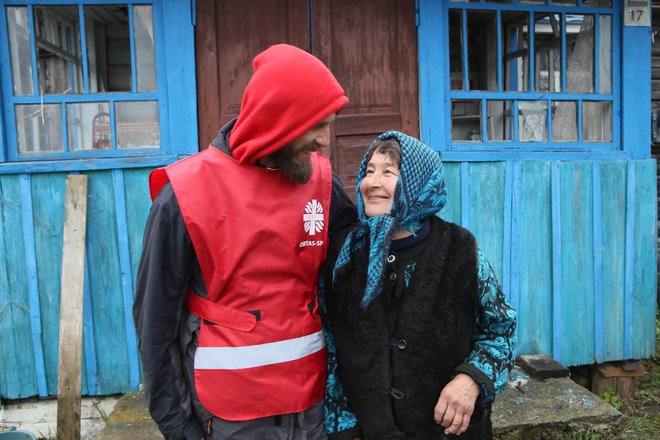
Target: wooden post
x=71 y=308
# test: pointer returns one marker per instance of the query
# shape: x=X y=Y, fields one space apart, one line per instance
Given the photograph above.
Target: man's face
x=293 y=159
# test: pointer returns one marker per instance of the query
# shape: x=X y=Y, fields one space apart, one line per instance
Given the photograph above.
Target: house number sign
x=637 y=13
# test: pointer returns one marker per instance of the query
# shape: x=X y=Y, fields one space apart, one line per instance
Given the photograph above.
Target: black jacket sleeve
x=162 y=283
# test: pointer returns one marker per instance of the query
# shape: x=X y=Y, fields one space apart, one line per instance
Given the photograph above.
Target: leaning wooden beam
x=71 y=308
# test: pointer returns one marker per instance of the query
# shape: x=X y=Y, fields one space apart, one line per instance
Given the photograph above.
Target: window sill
x=91 y=164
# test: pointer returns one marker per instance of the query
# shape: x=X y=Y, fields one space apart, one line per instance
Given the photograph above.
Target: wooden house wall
x=32 y=213
x=572 y=243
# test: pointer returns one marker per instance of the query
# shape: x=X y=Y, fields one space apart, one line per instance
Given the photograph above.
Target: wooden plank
x=613 y=218
x=48 y=191
x=535 y=259
x=18 y=377
x=486 y=205
x=577 y=264
x=71 y=305
x=555 y=179
x=32 y=286
x=106 y=287
x=207 y=72
x=645 y=260
x=452 y=211
x=126 y=278
x=465 y=195
x=138 y=203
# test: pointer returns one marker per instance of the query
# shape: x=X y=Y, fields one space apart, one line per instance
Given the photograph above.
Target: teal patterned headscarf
x=420 y=193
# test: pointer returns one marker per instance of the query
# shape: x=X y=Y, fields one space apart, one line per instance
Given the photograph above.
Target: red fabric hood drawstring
x=289 y=93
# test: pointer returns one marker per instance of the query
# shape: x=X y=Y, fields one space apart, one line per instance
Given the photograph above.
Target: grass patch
x=643 y=411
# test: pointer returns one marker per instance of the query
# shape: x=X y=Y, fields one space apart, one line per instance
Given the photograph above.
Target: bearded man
x=226 y=306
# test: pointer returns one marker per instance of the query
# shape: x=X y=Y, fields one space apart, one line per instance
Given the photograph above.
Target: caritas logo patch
x=313 y=217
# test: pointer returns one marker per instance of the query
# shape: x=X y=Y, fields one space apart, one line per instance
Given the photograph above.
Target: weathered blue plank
x=507 y=255
x=138 y=203
x=629 y=281
x=535 y=259
x=613 y=227
x=577 y=264
x=90 y=379
x=48 y=192
x=555 y=179
x=597 y=226
x=452 y=212
x=105 y=286
x=126 y=276
x=465 y=195
x=18 y=377
x=32 y=284
x=645 y=265
x=486 y=206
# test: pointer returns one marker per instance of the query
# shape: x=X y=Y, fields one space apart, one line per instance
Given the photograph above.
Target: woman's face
x=377 y=187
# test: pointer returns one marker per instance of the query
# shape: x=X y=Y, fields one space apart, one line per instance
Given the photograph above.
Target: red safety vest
x=260 y=241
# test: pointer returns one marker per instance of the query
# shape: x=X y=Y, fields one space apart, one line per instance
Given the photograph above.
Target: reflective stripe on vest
x=235 y=358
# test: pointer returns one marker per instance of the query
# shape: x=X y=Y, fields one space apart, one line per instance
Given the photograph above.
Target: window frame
x=436 y=105
x=106 y=158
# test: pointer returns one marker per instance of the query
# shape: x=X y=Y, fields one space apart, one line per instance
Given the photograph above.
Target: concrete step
x=529 y=409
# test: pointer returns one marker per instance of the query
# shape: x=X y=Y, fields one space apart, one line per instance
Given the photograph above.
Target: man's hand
x=456 y=404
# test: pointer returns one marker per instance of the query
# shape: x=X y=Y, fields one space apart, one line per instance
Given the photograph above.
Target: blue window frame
x=521 y=76
x=82 y=80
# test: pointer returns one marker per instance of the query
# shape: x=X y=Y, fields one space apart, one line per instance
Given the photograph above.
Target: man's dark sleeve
x=162 y=283
x=342 y=208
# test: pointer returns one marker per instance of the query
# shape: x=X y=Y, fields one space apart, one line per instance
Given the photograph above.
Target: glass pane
x=532 y=2
x=532 y=121
x=597 y=121
x=58 y=49
x=455 y=50
x=500 y=123
x=564 y=121
x=516 y=51
x=498 y=1
x=564 y=2
x=89 y=126
x=39 y=128
x=547 y=51
x=137 y=124
x=145 y=59
x=108 y=48
x=605 y=54
x=580 y=53
x=466 y=120
x=482 y=50
x=19 y=50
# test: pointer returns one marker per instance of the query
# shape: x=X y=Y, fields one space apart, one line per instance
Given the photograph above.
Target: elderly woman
x=422 y=333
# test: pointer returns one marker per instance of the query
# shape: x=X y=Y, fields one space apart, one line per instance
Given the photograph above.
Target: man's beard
x=293 y=164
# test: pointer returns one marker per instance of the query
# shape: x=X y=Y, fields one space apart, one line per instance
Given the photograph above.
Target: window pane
x=605 y=54
x=597 y=121
x=39 y=128
x=145 y=59
x=516 y=51
x=532 y=121
x=19 y=50
x=108 y=48
x=455 y=50
x=532 y=2
x=466 y=120
x=482 y=50
x=500 y=123
x=598 y=3
x=564 y=121
x=58 y=49
x=547 y=50
x=580 y=53
x=564 y=2
x=137 y=124
x=89 y=126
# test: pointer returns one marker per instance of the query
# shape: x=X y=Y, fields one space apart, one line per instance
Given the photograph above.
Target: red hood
x=290 y=92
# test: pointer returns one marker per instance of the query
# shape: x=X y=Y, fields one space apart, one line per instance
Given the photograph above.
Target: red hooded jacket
x=260 y=240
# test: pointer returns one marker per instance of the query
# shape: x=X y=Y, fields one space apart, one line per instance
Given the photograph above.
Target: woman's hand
x=456 y=404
